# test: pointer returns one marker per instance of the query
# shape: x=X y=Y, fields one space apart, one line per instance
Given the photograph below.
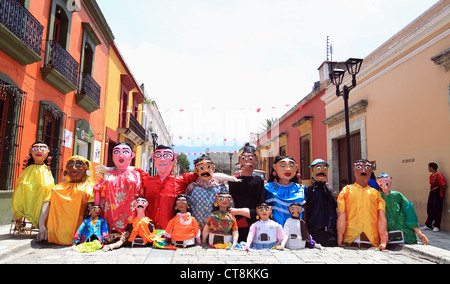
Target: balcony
x=132 y=129
x=60 y=68
x=88 y=96
x=20 y=33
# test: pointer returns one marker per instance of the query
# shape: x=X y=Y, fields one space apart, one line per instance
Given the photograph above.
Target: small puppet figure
x=203 y=191
x=140 y=226
x=264 y=233
x=361 y=211
x=296 y=235
x=182 y=230
x=69 y=201
x=92 y=232
x=400 y=213
x=119 y=188
x=33 y=187
x=321 y=206
x=248 y=193
x=221 y=227
x=283 y=188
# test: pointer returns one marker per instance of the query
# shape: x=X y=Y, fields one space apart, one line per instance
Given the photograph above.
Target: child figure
x=182 y=230
x=296 y=235
x=221 y=227
x=264 y=233
x=140 y=226
x=92 y=232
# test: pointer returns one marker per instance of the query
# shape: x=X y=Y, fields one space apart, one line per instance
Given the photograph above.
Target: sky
x=218 y=68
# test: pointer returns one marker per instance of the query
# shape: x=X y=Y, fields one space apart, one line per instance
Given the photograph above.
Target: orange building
x=53 y=75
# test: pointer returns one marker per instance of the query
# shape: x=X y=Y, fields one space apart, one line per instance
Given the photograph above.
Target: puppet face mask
x=264 y=212
x=286 y=169
x=182 y=204
x=363 y=171
x=122 y=156
x=384 y=181
x=319 y=171
x=205 y=169
x=39 y=152
x=141 y=204
x=247 y=161
x=76 y=170
x=295 y=210
x=164 y=160
x=223 y=200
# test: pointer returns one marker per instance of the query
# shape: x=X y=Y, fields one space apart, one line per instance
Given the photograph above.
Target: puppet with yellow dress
x=33 y=187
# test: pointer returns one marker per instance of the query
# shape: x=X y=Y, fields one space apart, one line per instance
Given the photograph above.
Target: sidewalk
x=437 y=251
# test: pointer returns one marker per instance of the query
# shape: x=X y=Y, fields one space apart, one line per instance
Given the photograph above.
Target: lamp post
x=353 y=66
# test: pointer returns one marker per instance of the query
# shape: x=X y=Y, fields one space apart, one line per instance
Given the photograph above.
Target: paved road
x=25 y=250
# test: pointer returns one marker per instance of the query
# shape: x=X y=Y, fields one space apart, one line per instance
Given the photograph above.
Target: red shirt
x=437 y=180
x=161 y=195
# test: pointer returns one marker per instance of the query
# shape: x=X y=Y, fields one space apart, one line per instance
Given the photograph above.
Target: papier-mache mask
x=319 y=170
x=122 y=155
x=384 y=181
x=164 y=158
x=78 y=169
x=363 y=170
x=204 y=168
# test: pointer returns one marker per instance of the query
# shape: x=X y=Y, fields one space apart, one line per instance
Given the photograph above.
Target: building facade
x=400 y=110
x=300 y=133
x=53 y=66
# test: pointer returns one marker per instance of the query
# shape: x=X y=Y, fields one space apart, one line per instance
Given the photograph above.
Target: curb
x=434 y=254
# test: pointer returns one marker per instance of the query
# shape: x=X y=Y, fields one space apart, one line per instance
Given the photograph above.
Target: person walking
x=435 y=199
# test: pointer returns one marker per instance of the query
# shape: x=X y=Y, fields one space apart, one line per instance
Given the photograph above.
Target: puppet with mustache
x=321 y=205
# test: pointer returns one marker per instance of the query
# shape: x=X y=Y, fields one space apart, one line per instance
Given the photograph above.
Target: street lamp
x=353 y=66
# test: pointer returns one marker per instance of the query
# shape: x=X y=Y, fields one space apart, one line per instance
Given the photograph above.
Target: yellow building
x=400 y=110
x=123 y=108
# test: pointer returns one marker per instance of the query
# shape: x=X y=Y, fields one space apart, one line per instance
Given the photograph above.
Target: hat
x=319 y=161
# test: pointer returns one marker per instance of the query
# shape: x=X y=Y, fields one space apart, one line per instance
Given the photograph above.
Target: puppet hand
x=224 y=177
x=382 y=247
x=100 y=170
x=106 y=248
x=423 y=239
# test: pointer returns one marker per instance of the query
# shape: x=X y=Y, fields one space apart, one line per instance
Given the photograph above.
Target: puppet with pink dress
x=117 y=191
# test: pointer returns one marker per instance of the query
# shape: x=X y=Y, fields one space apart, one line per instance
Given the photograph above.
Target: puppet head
x=78 y=169
x=222 y=201
x=284 y=170
x=295 y=209
x=164 y=158
x=264 y=211
x=94 y=210
x=319 y=170
x=384 y=181
x=122 y=155
x=141 y=204
x=248 y=160
x=204 y=168
x=38 y=153
x=181 y=204
x=363 y=170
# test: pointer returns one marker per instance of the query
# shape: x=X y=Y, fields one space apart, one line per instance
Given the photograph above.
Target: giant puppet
x=202 y=192
x=161 y=190
x=119 y=188
x=139 y=227
x=361 y=211
x=221 y=229
x=321 y=206
x=283 y=188
x=248 y=193
x=400 y=213
x=68 y=202
x=33 y=187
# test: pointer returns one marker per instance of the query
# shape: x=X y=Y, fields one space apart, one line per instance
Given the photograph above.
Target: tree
x=183 y=162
